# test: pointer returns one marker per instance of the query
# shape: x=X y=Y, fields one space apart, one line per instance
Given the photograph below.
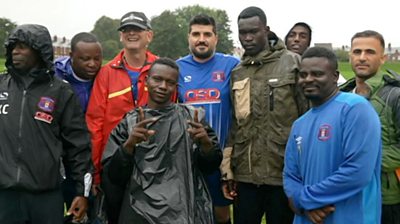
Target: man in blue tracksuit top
x=204 y=81
x=333 y=155
x=79 y=70
x=82 y=66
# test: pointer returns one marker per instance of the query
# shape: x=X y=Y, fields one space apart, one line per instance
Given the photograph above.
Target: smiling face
x=366 y=57
x=318 y=79
x=135 y=38
x=86 y=59
x=202 y=41
x=252 y=35
x=161 y=82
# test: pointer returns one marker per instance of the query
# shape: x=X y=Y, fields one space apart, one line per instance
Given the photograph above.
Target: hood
x=62 y=66
x=35 y=36
x=269 y=54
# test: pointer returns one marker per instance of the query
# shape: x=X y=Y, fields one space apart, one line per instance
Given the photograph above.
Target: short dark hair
x=164 y=61
x=84 y=37
x=302 y=24
x=321 y=52
x=203 y=19
x=370 y=33
x=251 y=12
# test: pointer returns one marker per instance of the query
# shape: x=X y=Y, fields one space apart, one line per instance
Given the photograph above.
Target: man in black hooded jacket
x=41 y=124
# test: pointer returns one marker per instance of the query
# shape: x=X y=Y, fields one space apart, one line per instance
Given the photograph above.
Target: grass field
x=2 y=62
x=345 y=68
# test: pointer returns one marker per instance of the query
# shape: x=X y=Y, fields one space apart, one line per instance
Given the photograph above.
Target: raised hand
x=139 y=132
x=198 y=133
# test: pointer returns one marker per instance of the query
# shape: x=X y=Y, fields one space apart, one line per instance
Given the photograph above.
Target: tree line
x=170 y=32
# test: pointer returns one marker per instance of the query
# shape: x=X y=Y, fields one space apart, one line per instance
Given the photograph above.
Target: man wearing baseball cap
x=119 y=87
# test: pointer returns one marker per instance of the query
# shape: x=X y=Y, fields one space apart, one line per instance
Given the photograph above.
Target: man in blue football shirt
x=333 y=155
x=204 y=82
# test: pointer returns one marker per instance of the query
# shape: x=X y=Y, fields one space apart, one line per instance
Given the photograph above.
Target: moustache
x=202 y=44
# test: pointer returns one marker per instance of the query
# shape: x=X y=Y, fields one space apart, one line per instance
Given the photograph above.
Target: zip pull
x=271 y=94
x=271 y=99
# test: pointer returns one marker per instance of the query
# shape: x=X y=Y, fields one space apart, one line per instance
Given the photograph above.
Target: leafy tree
x=105 y=29
x=110 y=48
x=6 y=26
x=169 y=36
x=171 y=30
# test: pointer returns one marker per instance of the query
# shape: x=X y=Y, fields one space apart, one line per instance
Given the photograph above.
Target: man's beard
x=202 y=55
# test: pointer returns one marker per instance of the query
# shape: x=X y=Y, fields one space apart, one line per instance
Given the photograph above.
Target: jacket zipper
x=20 y=132
x=249 y=156
x=271 y=99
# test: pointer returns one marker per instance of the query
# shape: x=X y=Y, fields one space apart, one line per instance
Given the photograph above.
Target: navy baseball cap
x=138 y=19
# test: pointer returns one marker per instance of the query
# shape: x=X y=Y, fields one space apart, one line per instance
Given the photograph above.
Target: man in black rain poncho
x=160 y=154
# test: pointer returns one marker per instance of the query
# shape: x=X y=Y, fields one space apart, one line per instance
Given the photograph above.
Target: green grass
x=347 y=72
x=2 y=62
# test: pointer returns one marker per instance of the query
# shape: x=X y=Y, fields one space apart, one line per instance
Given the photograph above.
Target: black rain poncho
x=164 y=178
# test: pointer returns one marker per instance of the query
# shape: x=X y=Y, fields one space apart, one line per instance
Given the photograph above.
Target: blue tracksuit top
x=333 y=157
x=82 y=88
x=207 y=85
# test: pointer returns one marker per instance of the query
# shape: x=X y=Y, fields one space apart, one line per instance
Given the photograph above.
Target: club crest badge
x=218 y=76
x=324 y=132
x=46 y=104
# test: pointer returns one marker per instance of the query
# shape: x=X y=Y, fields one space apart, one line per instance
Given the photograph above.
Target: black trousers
x=391 y=214
x=21 y=207
x=253 y=201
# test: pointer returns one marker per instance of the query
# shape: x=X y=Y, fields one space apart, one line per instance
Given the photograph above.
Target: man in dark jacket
x=159 y=154
x=40 y=122
x=266 y=101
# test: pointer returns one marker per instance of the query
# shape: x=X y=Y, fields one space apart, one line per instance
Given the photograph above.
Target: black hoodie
x=40 y=123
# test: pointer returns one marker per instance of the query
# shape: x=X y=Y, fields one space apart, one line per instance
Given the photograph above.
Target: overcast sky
x=333 y=21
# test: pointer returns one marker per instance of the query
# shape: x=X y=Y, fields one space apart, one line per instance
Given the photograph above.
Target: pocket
x=280 y=90
x=240 y=161
x=282 y=104
x=241 y=92
x=278 y=145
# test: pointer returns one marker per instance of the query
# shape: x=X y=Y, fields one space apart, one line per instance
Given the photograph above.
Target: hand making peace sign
x=198 y=133
x=139 y=132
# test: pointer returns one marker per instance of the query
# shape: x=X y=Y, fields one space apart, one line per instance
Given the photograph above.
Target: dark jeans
x=253 y=201
x=391 y=214
x=20 y=207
